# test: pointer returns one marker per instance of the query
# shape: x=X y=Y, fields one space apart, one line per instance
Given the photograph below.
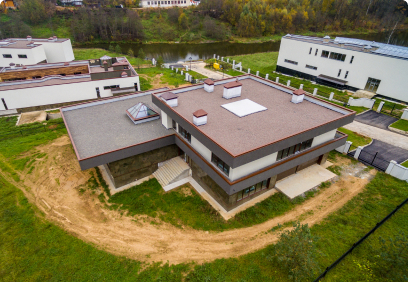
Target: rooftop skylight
x=141 y=113
x=244 y=107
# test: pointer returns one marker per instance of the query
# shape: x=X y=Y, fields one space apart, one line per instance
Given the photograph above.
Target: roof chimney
x=326 y=39
x=200 y=117
x=170 y=98
x=124 y=74
x=29 y=37
x=105 y=65
x=232 y=89
x=12 y=65
x=209 y=85
x=298 y=95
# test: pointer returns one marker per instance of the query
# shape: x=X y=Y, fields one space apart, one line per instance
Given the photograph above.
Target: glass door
x=372 y=84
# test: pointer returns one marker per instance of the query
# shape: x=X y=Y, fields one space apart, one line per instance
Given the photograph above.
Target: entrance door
x=372 y=84
x=136 y=87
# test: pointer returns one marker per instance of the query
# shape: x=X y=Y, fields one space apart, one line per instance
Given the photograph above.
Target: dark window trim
x=352 y=59
x=338 y=75
x=291 y=62
x=337 y=56
x=317 y=50
x=310 y=51
x=7 y=56
x=220 y=164
x=311 y=67
x=293 y=150
x=185 y=134
x=346 y=75
x=325 y=54
x=22 y=56
x=4 y=103
x=263 y=187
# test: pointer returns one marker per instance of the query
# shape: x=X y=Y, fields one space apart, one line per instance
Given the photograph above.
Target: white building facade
x=30 y=51
x=165 y=4
x=347 y=63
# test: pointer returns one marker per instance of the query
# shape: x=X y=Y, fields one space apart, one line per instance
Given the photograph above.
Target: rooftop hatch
x=243 y=107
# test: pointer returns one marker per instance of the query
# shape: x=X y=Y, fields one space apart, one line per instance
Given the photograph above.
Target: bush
x=118 y=49
x=294 y=251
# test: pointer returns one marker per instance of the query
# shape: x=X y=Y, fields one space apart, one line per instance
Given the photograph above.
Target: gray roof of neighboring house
x=102 y=126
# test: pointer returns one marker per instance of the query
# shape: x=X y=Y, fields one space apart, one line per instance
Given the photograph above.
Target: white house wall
x=324 y=137
x=155 y=4
x=62 y=93
x=391 y=71
x=243 y=170
x=166 y=120
x=34 y=56
x=200 y=148
x=58 y=51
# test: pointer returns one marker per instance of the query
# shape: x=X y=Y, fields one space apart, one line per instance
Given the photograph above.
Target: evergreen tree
x=118 y=49
x=130 y=53
x=159 y=62
x=141 y=54
x=111 y=48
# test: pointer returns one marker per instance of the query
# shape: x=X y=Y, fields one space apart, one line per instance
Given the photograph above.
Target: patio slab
x=299 y=183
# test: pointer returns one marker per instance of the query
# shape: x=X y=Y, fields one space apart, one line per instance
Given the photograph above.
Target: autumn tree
x=183 y=21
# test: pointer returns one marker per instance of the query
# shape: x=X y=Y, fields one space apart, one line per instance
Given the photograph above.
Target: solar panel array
x=383 y=49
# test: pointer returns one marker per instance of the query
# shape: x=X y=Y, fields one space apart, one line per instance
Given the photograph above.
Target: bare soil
x=32 y=117
x=54 y=186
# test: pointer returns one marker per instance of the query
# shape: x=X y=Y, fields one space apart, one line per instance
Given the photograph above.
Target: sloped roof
x=140 y=111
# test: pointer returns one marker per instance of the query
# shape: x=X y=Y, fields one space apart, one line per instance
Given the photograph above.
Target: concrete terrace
x=103 y=126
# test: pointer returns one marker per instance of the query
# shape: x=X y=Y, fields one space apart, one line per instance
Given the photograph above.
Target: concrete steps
x=171 y=171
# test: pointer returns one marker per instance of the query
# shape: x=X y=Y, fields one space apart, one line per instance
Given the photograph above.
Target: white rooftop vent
x=105 y=57
x=298 y=96
x=12 y=65
x=170 y=98
x=29 y=37
x=244 y=107
x=209 y=85
x=326 y=39
x=124 y=74
x=232 y=89
x=200 y=117
x=141 y=113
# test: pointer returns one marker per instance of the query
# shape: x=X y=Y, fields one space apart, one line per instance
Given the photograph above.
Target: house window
x=111 y=87
x=337 y=56
x=372 y=84
x=173 y=124
x=352 y=58
x=220 y=164
x=185 y=134
x=294 y=149
x=36 y=77
x=22 y=56
x=258 y=187
x=346 y=74
x=310 y=51
x=311 y=67
x=7 y=56
x=291 y=62
x=317 y=50
x=339 y=73
x=98 y=93
x=325 y=54
x=77 y=72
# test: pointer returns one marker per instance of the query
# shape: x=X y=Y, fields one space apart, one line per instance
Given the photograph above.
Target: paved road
x=379 y=154
x=386 y=136
x=200 y=68
x=376 y=119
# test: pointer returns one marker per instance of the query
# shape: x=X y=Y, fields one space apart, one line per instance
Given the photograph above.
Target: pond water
x=172 y=53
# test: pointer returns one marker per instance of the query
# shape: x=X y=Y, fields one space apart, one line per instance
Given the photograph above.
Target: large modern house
x=239 y=136
x=347 y=63
x=30 y=51
x=41 y=86
x=167 y=4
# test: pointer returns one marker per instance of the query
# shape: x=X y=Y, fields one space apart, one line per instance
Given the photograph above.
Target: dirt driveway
x=54 y=186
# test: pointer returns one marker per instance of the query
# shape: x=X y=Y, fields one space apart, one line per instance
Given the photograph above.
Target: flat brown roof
x=238 y=135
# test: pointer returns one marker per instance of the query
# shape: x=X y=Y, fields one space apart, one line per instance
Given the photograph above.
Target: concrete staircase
x=171 y=171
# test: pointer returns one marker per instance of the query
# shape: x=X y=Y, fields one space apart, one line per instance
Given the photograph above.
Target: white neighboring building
x=30 y=51
x=50 y=85
x=347 y=63
x=165 y=4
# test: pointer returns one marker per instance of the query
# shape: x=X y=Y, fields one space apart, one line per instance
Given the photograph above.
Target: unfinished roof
x=103 y=126
x=238 y=135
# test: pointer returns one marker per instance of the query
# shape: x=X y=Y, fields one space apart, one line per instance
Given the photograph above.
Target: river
x=172 y=53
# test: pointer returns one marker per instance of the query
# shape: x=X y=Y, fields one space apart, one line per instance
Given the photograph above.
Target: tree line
x=213 y=19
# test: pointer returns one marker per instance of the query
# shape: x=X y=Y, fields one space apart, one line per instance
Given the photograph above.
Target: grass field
x=357 y=139
x=401 y=125
x=96 y=53
x=33 y=249
x=262 y=62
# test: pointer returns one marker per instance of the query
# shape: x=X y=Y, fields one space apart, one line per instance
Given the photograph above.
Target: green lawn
x=405 y=163
x=262 y=62
x=357 y=139
x=33 y=249
x=96 y=53
x=168 y=76
x=401 y=124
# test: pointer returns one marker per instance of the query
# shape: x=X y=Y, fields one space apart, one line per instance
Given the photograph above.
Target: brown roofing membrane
x=233 y=84
x=209 y=81
x=200 y=113
x=168 y=96
x=238 y=135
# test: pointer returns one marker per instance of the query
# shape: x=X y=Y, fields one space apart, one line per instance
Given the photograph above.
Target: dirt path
x=54 y=188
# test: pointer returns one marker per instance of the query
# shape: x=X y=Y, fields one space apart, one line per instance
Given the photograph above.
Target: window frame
x=20 y=56
x=7 y=56
x=311 y=67
x=291 y=62
x=310 y=51
x=352 y=59
x=337 y=56
x=346 y=75
x=186 y=135
x=293 y=150
x=324 y=52
x=317 y=50
x=220 y=164
x=338 y=75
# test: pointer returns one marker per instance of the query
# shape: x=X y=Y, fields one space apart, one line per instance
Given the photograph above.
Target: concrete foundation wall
x=133 y=168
